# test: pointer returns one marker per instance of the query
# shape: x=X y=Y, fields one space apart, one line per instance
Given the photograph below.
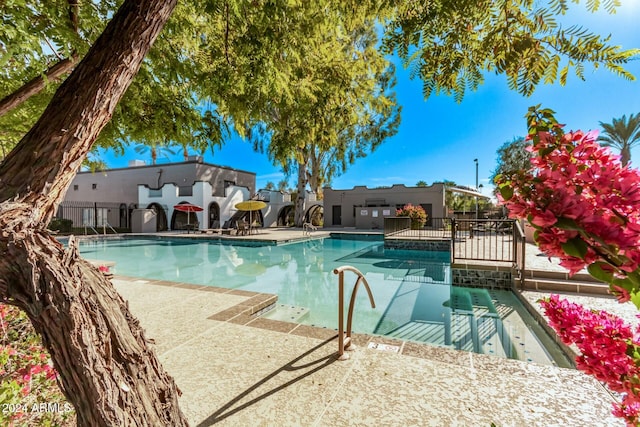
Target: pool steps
x=287 y=313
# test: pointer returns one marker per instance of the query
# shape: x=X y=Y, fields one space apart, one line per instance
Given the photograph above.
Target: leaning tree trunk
x=106 y=368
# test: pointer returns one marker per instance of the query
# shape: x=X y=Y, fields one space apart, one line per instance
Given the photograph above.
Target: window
x=102 y=216
x=94 y=186
x=75 y=187
x=155 y=193
x=87 y=217
x=185 y=190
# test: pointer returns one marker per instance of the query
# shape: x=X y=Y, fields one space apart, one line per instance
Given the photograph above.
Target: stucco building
x=111 y=198
x=366 y=208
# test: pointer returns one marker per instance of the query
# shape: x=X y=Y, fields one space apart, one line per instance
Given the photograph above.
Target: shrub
x=29 y=393
x=61 y=224
x=416 y=213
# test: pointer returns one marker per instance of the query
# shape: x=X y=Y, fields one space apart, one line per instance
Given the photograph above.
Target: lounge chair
x=213 y=230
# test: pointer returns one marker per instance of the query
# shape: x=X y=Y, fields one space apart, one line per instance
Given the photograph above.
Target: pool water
x=412 y=289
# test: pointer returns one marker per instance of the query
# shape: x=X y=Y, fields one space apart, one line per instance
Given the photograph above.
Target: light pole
x=476 y=162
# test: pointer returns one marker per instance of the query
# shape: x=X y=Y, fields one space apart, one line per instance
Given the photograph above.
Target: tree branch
x=35 y=85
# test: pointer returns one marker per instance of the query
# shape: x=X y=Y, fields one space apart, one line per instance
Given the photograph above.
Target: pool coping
x=248 y=313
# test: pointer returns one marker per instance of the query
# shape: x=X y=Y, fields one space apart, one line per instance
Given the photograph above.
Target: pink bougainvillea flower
x=621 y=294
x=544 y=219
x=605 y=342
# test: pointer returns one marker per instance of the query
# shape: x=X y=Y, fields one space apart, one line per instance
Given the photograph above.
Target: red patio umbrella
x=188 y=208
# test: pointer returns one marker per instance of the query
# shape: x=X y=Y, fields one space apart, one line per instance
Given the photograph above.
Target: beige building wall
x=366 y=208
x=121 y=185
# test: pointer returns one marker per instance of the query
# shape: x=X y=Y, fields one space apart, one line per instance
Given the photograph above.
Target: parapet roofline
x=163 y=165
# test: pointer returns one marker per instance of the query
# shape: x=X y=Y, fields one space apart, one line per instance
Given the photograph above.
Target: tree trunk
x=301 y=189
x=107 y=370
x=625 y=155
x=35 y=85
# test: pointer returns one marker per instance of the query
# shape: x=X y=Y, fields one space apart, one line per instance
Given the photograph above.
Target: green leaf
x=575 y=247
x=567 y=224
x=506 y=192
x=597 y=272
x=635 y=299
x=546 y=151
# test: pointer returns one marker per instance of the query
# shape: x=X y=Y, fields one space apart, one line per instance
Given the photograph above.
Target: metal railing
x=483 y=239
x=496 y=240
x=400 y=227
x=344 y=337
x=95 y=214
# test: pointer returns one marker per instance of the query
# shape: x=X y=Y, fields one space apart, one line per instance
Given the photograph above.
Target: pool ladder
x=344 y=339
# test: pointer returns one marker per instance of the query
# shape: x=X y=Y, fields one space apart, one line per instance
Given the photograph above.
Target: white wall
x=201 y=197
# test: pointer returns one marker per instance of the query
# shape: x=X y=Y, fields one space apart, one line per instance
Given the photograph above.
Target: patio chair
x=253 y=228
x=242 y=228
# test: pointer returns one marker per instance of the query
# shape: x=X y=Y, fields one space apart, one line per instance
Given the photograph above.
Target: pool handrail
x=344 y=343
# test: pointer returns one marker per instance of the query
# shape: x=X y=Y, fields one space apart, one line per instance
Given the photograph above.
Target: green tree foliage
x=512 y=156
x=337 y=104
x=421 y=183
x=162 y=105
x=622 y=134
x=242 y=55
x=451 y=45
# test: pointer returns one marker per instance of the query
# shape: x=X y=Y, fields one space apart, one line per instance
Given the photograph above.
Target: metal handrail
x=344 y=342
x=520 y=263
x=104 y=228
x=90 y=227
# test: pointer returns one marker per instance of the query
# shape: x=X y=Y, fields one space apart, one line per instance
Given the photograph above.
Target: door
x=336 y=214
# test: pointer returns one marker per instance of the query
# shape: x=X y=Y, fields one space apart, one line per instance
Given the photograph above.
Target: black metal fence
x=401 y=227
x=496 y=240
x=484 y=240
x=96 y=215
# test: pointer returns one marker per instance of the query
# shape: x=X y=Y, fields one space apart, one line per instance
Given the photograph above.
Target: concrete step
x=287 y=313
x=562 y=285
x=581 y=276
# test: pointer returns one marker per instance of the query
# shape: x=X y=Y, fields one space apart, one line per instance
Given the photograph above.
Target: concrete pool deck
x=234 y=370
x=237 y=369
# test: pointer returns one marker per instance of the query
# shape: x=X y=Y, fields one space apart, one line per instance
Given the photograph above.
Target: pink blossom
x=544 y=219
x=621 y=294
x=605 y=342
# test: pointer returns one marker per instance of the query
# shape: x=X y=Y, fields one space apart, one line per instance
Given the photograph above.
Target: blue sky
x=439 y=139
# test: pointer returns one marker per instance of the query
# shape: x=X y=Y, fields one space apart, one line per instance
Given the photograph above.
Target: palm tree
x=622 y=134
x=155 y=149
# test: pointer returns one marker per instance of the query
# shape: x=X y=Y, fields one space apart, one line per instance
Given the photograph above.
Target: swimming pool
x=412 y=291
